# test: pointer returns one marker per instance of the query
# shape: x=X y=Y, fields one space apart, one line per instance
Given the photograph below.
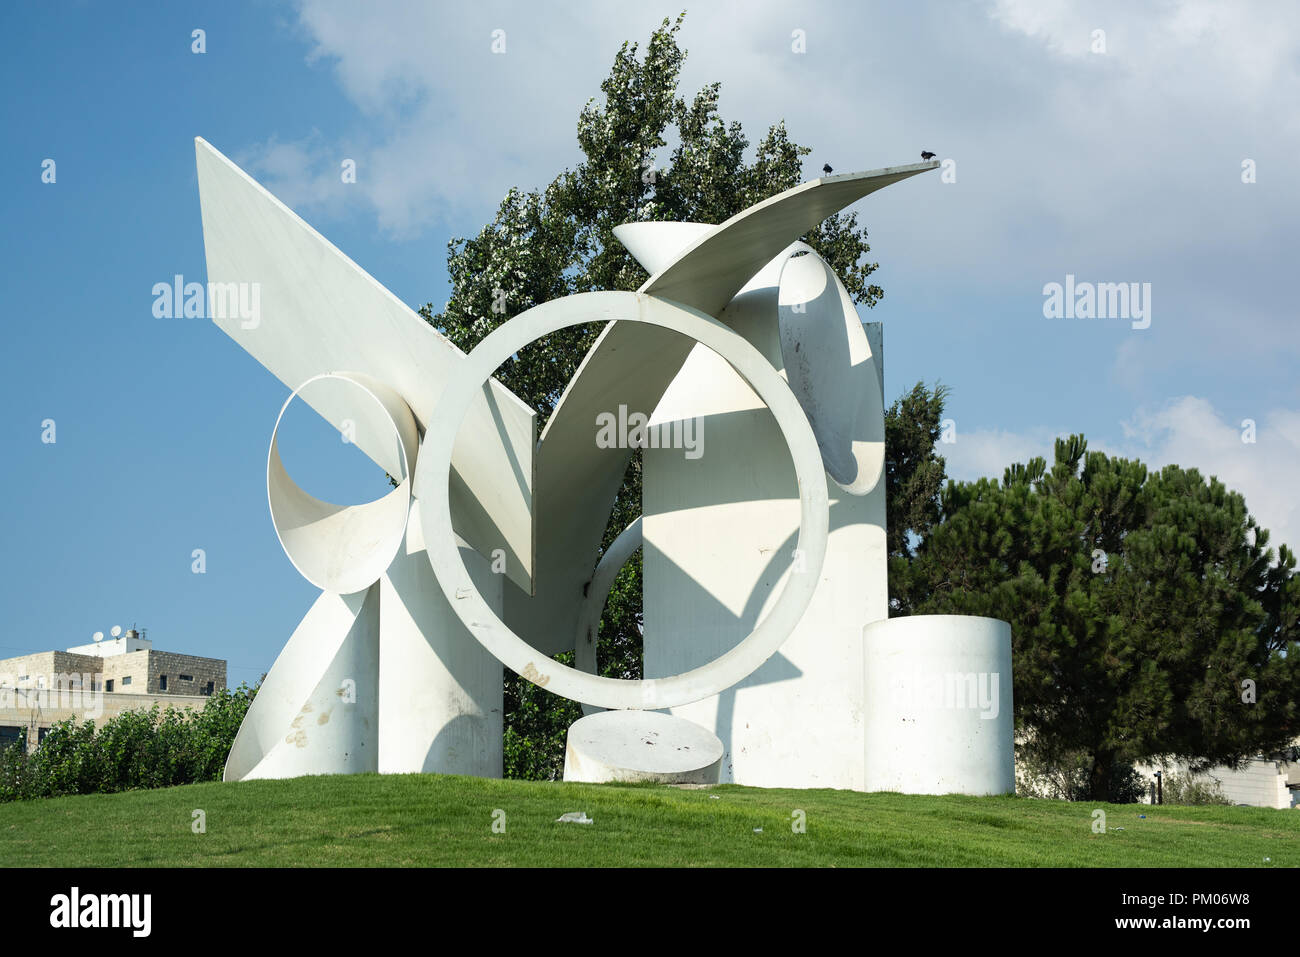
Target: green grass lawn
x=424 y=820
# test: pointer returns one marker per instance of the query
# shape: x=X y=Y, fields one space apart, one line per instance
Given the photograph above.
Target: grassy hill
x=431 y=820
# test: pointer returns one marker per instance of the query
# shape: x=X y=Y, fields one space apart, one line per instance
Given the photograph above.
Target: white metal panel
x=320 y=312
x=440 y=691
x=317 y=710
x=719 y=541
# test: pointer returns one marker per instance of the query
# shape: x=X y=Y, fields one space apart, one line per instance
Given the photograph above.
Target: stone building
x=97 y=681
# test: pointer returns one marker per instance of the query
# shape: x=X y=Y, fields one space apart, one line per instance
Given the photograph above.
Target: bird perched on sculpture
x=826 y=168
x=926 y=155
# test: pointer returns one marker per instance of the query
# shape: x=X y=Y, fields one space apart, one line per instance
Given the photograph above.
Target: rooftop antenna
x=116 y=631
x=98 y=636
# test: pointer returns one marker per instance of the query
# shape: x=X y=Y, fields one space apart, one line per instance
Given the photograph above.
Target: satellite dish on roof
x=98 y=636
x=117 y=630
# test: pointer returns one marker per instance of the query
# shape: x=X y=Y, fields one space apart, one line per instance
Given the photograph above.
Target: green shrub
x=66 y=762
x=13 y=768
x=1191 y=789
x=153 y=748
x=1065 y=777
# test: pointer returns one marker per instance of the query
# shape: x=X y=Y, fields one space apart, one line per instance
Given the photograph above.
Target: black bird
x=926 y=155
x=826 y=168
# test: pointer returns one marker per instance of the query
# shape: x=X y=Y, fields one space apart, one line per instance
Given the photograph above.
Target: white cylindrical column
x=641 y=746
x=939 y=716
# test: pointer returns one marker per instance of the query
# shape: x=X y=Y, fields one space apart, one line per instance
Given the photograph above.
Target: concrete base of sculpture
x=641 y=746
x=938 y=712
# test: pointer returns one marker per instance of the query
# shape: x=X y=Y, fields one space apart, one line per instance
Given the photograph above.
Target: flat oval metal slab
x=641 y=746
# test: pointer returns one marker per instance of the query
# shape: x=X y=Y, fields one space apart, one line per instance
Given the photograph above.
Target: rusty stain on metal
x=532 y=674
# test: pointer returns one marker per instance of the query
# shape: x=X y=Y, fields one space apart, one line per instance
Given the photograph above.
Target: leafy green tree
x=536 y=728
x=552 y=242
x=1144 y=607
x=213 y=729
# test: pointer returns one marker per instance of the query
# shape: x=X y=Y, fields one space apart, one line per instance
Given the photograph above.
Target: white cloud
x=446 y=126
x=1116 y=167
x=1061 y=26
x=1190 y=432
x=1119 y=167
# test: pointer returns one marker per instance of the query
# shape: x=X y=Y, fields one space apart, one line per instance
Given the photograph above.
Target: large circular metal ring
x=432 y=488
x=338 y=548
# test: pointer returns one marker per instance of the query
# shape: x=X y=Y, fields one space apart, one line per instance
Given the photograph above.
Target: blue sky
x=1114 y=165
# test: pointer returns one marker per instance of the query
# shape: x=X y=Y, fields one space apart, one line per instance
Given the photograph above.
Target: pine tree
x=1141 y=604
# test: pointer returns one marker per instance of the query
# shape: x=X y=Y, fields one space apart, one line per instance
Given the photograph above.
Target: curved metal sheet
x=632 y=364
x=593 y=606
x=829 y=367
x=715 y=267
x=317 y=311
x=317 y=710
x=345 y=548
x=658 y=244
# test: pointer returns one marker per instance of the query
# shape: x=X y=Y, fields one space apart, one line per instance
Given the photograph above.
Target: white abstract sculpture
x=759 y=577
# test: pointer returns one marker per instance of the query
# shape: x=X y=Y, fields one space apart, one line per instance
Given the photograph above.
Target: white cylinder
x=641 y=746
x=939 y=716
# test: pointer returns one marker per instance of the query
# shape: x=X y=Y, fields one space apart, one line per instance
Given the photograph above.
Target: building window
x=108 y=684
x=23 y=677
x=10 y=734
x=186 y=677
x=126 y=680
x=162 y=682
x=208 y=688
